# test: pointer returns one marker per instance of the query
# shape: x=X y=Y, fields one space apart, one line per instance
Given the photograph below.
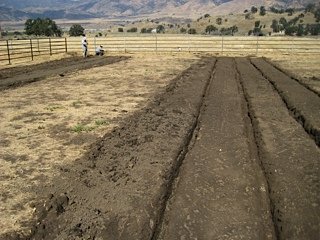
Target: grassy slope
x=244 y=25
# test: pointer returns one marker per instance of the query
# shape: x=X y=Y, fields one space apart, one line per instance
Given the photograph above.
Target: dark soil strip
x=17 y=77
x=175 y=170
x=302 y=103
x=221 y=190
x=119 y=188
x=257 y=140
x=289 y=157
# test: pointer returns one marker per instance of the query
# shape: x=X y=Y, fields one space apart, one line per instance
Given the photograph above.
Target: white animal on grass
x=154 y=30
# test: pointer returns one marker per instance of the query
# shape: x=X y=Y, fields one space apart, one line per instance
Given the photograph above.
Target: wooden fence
x=14 y=49
x=11 y=50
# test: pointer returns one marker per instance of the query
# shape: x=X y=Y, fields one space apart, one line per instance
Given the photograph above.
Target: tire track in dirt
x=289 y=157
x=301 y=102
x=19 y=76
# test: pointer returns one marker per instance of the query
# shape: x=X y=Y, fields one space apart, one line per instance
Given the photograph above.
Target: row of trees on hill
x=295 y=26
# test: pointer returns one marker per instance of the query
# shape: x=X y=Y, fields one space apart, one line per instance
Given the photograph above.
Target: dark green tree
x=314 y=29
x=262 y=11
x=317 y=15
x=143 y=30
x=120 y=29
x=76 y=30
x=219 y=21
x=275 y=26
x=283 y=23
x=133 y=30
x=254 y=9
x=290 y=30
x=206 y=15
x=42 y=27
x=234 y=29
x=160 y=29
x=300 y=30
x=192 y=31
x=183 y=30
x=290 y=11
x=210 y=29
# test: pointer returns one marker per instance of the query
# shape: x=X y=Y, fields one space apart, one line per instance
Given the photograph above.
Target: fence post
x=8 y=52
x=65 y=42
x=125 y=43
x=50 y=46
x=31 y=49
x=156 y=43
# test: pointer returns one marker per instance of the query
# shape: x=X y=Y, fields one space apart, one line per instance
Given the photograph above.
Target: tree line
x=294 y=26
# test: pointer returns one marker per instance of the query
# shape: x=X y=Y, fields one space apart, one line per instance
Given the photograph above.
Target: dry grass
x=305 y=66
x=47 y=124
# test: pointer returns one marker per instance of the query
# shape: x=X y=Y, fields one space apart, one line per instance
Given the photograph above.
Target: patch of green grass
x=82 y=128
x=100 y=122
x=54 y=107
x=76 y=104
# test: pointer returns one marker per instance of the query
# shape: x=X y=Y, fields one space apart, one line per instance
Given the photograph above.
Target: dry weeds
x=47 y=124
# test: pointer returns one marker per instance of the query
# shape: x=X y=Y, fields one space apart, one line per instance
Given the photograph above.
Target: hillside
x=81 y=9
x=244 y=25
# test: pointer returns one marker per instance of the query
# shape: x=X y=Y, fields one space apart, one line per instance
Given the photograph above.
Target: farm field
x=147 y=146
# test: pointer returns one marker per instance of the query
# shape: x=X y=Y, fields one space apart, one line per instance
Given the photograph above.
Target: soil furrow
x=175 y=170
x=221 y=192
x=288 y=155
x=301 y=102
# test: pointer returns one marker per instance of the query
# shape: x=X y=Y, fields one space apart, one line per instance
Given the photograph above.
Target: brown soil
x=217 y=154
x=18 y=76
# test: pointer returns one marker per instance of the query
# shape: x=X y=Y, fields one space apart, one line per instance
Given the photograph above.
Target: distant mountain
x=81 y=9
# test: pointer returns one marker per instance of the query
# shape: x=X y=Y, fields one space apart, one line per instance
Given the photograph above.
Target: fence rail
x=17 y=49
x=11 y=50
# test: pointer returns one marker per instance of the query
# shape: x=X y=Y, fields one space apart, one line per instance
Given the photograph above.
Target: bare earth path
x=219 y=153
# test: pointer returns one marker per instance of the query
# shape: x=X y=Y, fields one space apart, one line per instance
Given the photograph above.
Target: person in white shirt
x=99 y=51
x=84 y=45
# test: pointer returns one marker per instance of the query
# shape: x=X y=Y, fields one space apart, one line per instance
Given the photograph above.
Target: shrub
x=76 y=30
x=254 y=9
x=192 y=31
x=262 y=11
x=210 y=29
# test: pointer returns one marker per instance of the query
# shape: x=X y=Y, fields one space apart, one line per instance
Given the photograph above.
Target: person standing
x=84 y=45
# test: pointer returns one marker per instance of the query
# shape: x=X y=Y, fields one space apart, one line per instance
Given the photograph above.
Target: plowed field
x=186 y=148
